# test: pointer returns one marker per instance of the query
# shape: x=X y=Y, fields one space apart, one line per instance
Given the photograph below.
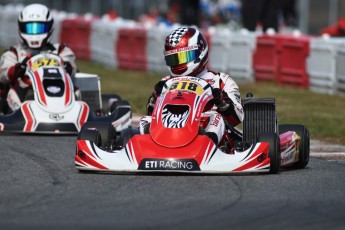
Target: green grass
x=324 y=115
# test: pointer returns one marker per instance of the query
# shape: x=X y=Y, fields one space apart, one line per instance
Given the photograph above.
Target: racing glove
x=158 y=88
x=222 y=101
x=68 y=68
x=155 y=93
x=18 y=72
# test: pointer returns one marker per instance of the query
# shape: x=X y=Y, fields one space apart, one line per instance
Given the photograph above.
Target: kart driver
x=186 y=54
x=35 y=27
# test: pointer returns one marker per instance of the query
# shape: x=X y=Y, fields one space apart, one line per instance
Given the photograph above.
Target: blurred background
x=309 y=16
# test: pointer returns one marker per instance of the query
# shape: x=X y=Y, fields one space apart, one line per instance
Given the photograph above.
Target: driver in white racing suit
x=186 y=54
x=35 y=24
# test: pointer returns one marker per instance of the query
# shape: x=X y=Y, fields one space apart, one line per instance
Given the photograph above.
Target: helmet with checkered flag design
x=185 y=51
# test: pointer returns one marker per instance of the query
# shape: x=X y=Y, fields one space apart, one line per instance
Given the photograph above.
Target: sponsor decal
x=54 y=89
x=169 y=164
x=288 y=158
x=216 y=120
x=56 y=117
x=194 y=47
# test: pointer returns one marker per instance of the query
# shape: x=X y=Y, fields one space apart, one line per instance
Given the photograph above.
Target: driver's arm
x=68 y=57
x=8 y=62
x=234 y=114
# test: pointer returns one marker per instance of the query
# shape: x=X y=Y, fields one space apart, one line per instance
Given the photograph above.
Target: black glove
x=221 y=100
x=19 y=71
x=158 y=89
x=152 y=99
x=68 y=68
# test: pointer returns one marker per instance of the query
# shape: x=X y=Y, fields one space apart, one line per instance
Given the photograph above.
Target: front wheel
x=102 y=133
x=274 y=150
x=127 y=134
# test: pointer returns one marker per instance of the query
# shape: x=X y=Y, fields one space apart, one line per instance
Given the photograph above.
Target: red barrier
x=131 y=48
x=76 y=33
x=265 y=59
x=293 y=53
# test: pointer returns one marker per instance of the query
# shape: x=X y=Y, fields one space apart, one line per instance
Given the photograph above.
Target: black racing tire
x=274 y=150
x=105 y=129
x=127 y=134
x=304 y=145
x=106 y=104
x=90 y=135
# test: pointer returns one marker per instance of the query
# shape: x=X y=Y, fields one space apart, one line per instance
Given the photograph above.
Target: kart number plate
x=187 y=86
x=45 y=62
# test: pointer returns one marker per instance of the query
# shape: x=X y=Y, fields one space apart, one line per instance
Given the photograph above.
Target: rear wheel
x=115 y=104
x=304 y=145
x=274 y=150
x=94 y=131
x=109 y=102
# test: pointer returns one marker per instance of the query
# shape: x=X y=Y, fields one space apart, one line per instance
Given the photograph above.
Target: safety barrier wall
x=241 y=56
x=340 y=70
x=9 y=25
x=265 y=58
x=232 y=53
x=301 y=61
x=76 y=32
x=131 y=48
x=219 y=54
x=103 y=42
x=154 y=49
x=292 y=55
x=321 y=64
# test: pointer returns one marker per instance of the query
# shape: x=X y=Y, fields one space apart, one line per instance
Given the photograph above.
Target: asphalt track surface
x=41 y=189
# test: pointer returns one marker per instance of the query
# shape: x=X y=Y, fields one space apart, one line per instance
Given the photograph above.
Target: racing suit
x=18 y=86
x=231 y=110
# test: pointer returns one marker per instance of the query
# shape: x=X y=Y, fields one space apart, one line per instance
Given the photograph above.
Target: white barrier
x=103 y=40
x=9 y=25
x=321 y=64
x=233 y=53
x=220 y=50
x=155 y=43
x=240 y=62
x=340 y=70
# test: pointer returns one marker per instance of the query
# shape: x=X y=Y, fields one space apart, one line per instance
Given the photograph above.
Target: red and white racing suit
x=18 y=54
x=233 y=114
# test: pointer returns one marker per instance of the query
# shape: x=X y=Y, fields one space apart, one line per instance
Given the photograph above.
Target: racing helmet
x=35 y=24
x=185 y=52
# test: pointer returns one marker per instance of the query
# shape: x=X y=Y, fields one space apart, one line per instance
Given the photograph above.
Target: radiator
x=259 y=116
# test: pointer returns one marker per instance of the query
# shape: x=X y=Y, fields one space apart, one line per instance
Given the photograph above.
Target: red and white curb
x=328 y=151
x=318 y=149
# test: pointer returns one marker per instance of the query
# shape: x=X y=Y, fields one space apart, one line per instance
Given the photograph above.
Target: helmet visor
x=34 y=28
x=182 y=57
